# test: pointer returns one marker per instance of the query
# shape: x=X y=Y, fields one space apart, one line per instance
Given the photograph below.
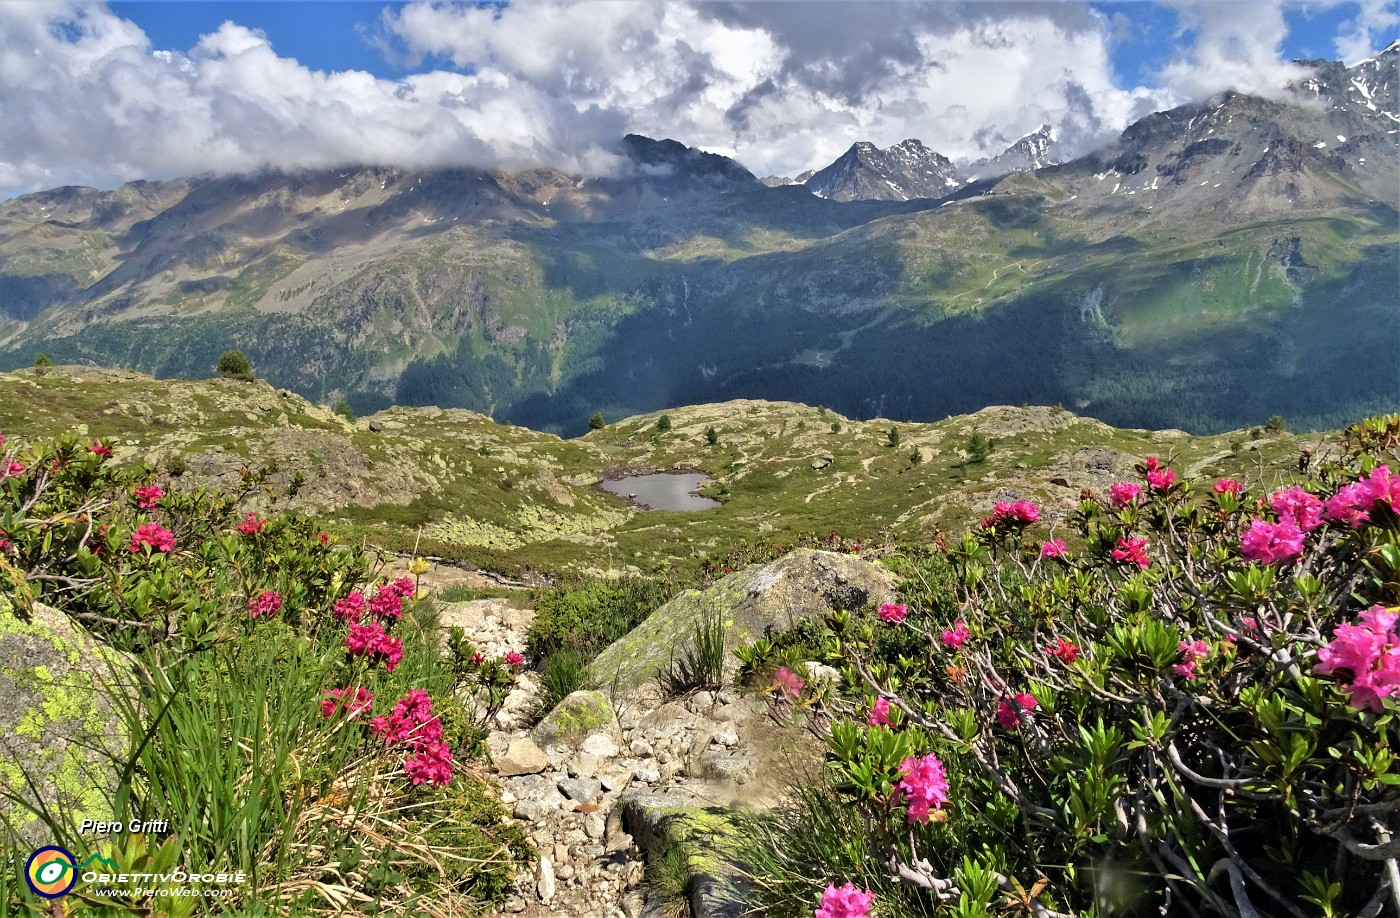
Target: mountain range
x=1218 y=263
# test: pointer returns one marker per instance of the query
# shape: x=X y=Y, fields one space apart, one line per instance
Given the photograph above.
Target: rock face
x=578 y=718
x=60 y=732
x=799 y=585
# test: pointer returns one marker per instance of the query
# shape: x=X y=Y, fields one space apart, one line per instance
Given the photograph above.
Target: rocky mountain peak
x=900 y=172
x=1036 y=150
x=673 y=159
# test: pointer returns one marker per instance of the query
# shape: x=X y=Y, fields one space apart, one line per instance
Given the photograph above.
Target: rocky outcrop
x=62 y=738
x=776 y=596
x=578 y=718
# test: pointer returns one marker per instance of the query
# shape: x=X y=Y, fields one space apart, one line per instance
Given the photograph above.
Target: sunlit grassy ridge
x=459 y=484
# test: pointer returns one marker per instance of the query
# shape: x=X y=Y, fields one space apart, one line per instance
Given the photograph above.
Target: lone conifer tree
x=234 y=364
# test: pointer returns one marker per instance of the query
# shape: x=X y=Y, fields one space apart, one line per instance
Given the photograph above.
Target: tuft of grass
x=701 y=663
x=458 y=592
x=561 y=674
x=668 y=879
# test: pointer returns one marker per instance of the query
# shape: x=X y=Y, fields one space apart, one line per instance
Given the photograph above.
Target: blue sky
x=104 y=93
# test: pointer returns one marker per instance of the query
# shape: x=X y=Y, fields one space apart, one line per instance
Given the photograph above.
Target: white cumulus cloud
x=784 y=87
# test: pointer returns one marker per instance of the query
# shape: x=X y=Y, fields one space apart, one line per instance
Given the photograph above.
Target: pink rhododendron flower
x=478 y=658
x=1020 y=513
x=370 y=641
x=1370 y=653
x=1123 y=493
x=1159 y=477
x=412 y=717
x=431 y=763
x=387 y=603
x=1008 y=718
x=1192 y=652
x=353 y=702
x=153 y=534
x=265 y=604
x=924 y=785
x=880 y=713
x=1065 y=650
x=889 y=612
x=1055 y=548
x=1351 y=504
x=1132 y=551
x=97 y=449
x=350 y=609
x=252 y=525
x=1226 y=486
x=147 y=496
x=785 y=680
x=1271 y=542
x=844 y=902
x=403 y=587
x=956 y=635
x=12 y=469
x=514 y=659
x=1297 y=505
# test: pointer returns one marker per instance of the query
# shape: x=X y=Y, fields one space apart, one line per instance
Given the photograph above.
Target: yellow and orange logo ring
x=51 y=871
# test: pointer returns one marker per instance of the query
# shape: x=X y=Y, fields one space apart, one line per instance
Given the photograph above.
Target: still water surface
x=663 y=490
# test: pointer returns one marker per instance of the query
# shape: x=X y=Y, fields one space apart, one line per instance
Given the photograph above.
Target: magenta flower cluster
x=147 y=496
x=1131 y=551
x=1192 y=652
x=252 y=525
x=1123 y=493
x=880 y=713
x=352 y=702
x=374 y=644
x=1018 y=513
x=1368 y=655
x=1300 y=512
x=787 y=682
x=154 y=535
x=429 y=759
x=1008 y=715
x=924 y=785
x=889 y=612
x=265 y=604
x=845 y=902
x=955 y=636
x=1066 y=651
x=1354 y=503
x=1159 y=477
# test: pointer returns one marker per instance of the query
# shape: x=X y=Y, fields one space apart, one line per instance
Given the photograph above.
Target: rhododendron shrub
x=140 y=563
x=253 y=696
x=1194 y=712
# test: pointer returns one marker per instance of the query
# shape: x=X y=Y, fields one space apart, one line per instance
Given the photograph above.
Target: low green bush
x=589 y=616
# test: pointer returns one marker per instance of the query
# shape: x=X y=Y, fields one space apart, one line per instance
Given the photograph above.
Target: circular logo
x=51 y=871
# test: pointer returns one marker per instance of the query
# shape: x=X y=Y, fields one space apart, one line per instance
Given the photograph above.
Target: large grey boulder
x=62 y=738
x=576 y=718
x=802 y=584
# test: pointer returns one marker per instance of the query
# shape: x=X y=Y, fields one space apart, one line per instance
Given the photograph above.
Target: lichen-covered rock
x=777 y=595
x=62 y=739
x=576 y=718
